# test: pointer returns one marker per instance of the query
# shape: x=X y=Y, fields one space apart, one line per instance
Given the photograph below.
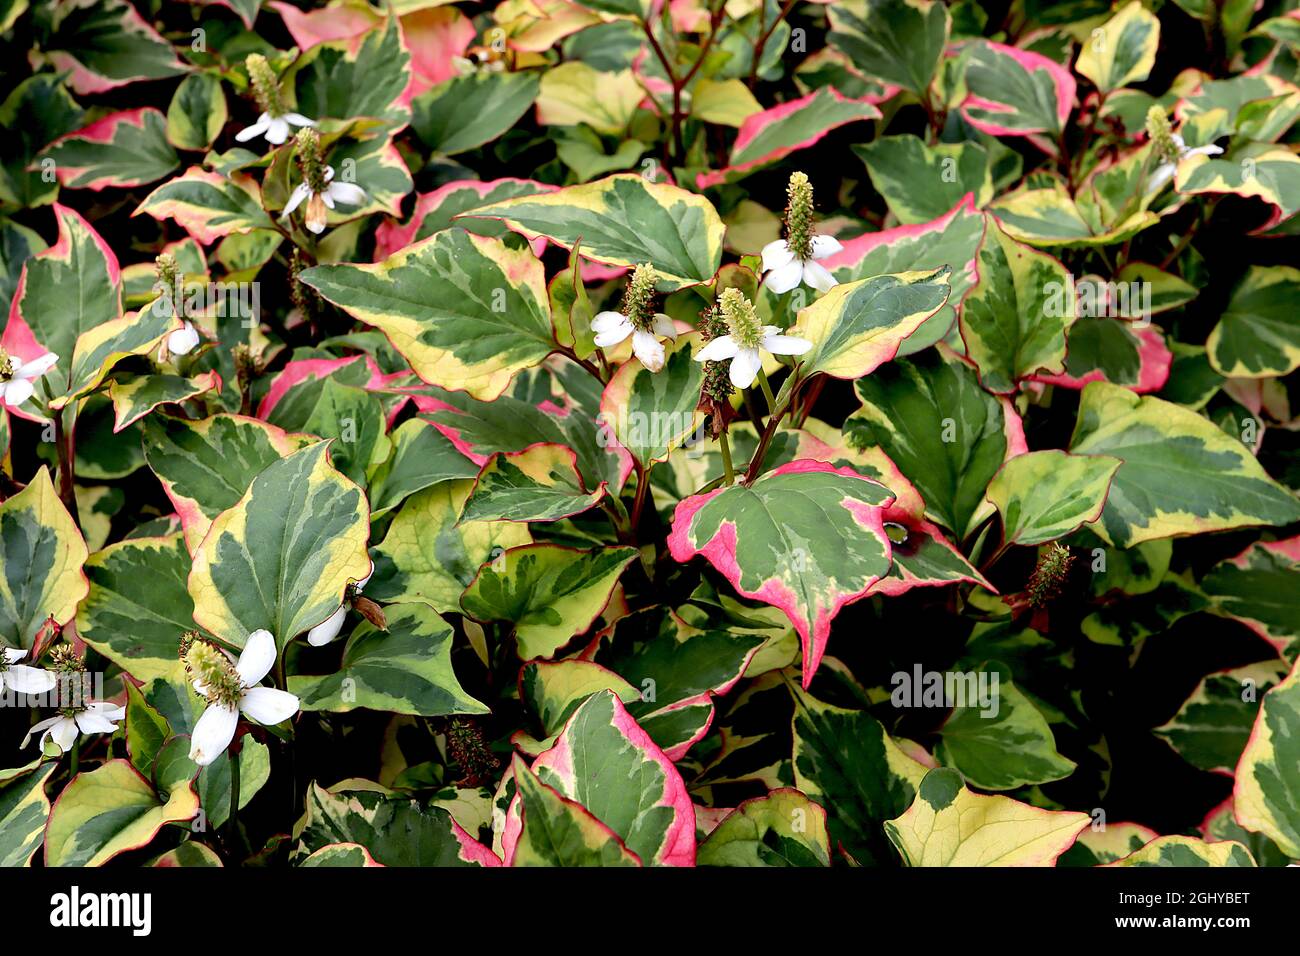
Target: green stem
x=65 y=445
x=767 y=392
x=232 y=820
x=728 y=473
x=76 y=757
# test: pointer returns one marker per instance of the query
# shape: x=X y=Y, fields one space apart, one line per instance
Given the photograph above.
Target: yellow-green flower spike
x=213 y=670
x=307 y=147
x=266 y=88
x=741 y=318
x=1161 y=135
x=638 y=301
x=799 y=216
x=717 y=382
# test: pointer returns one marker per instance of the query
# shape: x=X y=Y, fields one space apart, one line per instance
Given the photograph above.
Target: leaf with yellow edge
x=466 y=311
x=1181 y=851
x=1122 y=50
x=947 y=825
x=1045 y=495
x=1267 y=791
x=41 y=558
x=282 y=557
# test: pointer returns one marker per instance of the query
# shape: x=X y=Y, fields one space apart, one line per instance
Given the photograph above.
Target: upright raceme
x=275 y=120
x=639 y=320
x=793 y=259
x=748 y=339
x=318 y=187
x=1171 y=149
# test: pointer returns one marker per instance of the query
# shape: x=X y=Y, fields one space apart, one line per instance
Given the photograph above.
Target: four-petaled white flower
x=183 y=340
x=317 y=203
x=215 y=729
x=97 y=717
x=1165 y=171
x=18 y=386
x=747 y=360
x=274 y=128
x=785 y=270
x=611 y=328
x=21 y=678
x=328 y=629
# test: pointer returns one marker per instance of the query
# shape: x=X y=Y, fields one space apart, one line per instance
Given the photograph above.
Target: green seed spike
x=799 y=216
x=266 y=88
x=741 y=318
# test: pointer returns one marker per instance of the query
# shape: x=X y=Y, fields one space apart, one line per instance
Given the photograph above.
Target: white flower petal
x=29 y=680
x=786 y=344
x=37 y=366
x=818 y=276
x=648 y=349
x=277 y=130
x=606 y=321
x=257 y=657
x=1210 y=150
x=777 y=254
x=823 y=246
x=268 y=705
x=328 y=629
x=64 y=732
x=14 y=654
x=784 y=278
x=614 y=335
x=1163 y=173
x=183 y=340
x=348 y=193
x=744 y=368
x=105 y=709
x=1178 y=141
x=296 y=198
x=17 y=391
x=366 y=580
x=663 y=325
x=213 y=732
x=257 y=129
x=90 y=723
x=40 y=725
x=297 y=119
x=718 y=350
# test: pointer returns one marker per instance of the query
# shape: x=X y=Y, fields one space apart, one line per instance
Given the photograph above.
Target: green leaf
x=947 y=825
x=1267 y=791
x=395 y=830
x=429 y=555
x=1182 y=852
x=1270 y=173
x=549 y=593
x=110 y=810
x=1181 y=474
x=651 y=413
x=468 y=111
x=341 y=855
x=625 y=220
x=846 y=762
x=1045 y=495
x=898 y=165
x=121 y=150
x=135 y=396
x=403 y=670
x=1261 y=588
x=897 y=41
x=420 y=457
x=540 y=483
x=354 y=419
x=1122 y=50
x=107 y=44
x=603 y=761
x=206 y=465
x=1014 y=92
x=466 y=311
x=359 y=76
x=24 y=809
x=858 y=326
x=783 y=828
x=1212 y=727
x=281 y=558
x=946 y=434
x=554 y=689
x=995 y=736
x=208 y=205
x=557 y=831
x=1257 y=336
x=574 y=92
x=38 y=110
x=807 y=537
x=138 y=605
x=1014 y=320
x=214 y=780
x=197 y=112
x=41 y=558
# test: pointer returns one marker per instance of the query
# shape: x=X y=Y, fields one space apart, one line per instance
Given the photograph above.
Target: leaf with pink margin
x=107 y=44
x=540 y=483
x=997 y=78
x=208 y=205
x=548 y=829
x=775 y=133
x=1112 y=350
x=807 y=537
x=436 y=210
x=604 y=761
x=1260 y=587
x=121 y=150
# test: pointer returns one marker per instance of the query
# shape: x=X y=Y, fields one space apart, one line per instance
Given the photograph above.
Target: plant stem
x=638 y=501
x=232 y=820
x=767 y=391
x=729 y=475
x=65 y=446
x=766 y=35
x=75 y=765
x=756 y=462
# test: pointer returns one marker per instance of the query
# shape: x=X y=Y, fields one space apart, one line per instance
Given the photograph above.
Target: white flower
x=215 y=729
x=1165 y=171
x=349 y=193
x=745 y=362
x=275 y=128
x=22 y=679
x=328 y=629
x=18 y=387
x=183 y=340
x=612 y=328
x=784 y=271
x=97 y=717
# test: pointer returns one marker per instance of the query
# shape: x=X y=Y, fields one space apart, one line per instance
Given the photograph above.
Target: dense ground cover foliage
x=641 y=433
